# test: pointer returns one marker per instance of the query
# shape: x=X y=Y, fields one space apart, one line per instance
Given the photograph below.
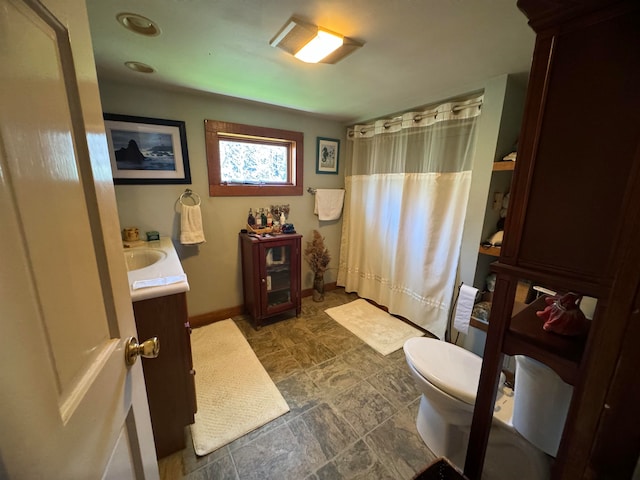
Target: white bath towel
x=191 y=232
x=329 y=203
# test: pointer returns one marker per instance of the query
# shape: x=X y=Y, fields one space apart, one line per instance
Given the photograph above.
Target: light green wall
x=213 y=269
x=510 y=122
x=498 y=129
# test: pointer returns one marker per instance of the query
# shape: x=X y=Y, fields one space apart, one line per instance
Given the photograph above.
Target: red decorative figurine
x=562 y=315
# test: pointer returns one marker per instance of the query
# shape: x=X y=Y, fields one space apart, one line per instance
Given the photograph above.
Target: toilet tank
x=541 y=403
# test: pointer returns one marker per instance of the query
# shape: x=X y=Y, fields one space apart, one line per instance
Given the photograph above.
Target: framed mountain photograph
x=147 y=150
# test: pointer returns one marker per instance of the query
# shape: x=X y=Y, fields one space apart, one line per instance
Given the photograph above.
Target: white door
x=69 y=406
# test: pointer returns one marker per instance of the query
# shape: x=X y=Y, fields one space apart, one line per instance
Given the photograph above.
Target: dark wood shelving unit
x=573 y=226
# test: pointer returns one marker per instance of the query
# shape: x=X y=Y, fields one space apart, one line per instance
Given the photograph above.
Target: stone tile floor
x=352 y=415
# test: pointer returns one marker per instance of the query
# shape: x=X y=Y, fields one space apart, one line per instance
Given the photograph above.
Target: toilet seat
x=452 y=369
x=448 y=378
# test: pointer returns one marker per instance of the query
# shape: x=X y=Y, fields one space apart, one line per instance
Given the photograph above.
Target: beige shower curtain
x=407 y=185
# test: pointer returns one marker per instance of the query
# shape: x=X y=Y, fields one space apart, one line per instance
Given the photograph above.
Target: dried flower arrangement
x=318 y=258
x=316 y=254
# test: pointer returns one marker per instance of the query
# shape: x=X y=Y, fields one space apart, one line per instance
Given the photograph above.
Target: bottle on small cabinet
x=258 y=219
x=264 y=217
x=251 y=220
x=269 y=219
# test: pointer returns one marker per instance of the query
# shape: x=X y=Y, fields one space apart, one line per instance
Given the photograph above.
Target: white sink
x=154 y=270
x=142 y=257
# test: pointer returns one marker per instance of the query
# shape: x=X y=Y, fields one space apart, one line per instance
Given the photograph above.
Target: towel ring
x=195 y=198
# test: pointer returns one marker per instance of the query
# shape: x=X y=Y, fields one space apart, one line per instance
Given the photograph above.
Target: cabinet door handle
x=187 y=325
x=263 y=280
x=192 y=372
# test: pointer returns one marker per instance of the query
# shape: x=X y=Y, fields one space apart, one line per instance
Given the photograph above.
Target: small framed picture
x=327 y=155
x=147 y=150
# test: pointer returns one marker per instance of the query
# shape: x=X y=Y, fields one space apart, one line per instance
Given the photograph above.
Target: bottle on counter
x=258 y=219
x=264 y=217
x=251 y=220
x=269 y=219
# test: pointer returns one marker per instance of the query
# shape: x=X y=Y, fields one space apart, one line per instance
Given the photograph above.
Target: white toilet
x=448 y=375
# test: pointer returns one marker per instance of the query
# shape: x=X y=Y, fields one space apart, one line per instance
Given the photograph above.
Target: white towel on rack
x=191 y=232
x=329 y=203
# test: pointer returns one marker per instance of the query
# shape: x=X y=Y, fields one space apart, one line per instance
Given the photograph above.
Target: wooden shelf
x=525 y=336
x=493 y=251
x=557 y=281
x=484 y=326
x=479 y=324
x=504 y=166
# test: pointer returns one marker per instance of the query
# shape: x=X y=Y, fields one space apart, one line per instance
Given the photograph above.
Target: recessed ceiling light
x=140 y=67
x=138 y=24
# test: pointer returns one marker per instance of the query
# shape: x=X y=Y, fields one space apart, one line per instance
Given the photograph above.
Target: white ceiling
x=416 y=52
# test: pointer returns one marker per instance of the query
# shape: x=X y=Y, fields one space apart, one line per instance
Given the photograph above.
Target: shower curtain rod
x=418 y=117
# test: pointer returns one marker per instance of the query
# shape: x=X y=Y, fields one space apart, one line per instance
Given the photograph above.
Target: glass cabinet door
x=278 y=275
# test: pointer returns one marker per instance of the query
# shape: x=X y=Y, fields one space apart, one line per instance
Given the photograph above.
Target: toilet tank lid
x=452 y=369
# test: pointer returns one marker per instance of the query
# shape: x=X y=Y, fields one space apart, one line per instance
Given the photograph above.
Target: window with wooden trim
x=245 y=160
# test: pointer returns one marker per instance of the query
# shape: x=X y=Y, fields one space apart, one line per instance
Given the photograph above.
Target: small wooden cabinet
x=169 y=378
x=270 y=275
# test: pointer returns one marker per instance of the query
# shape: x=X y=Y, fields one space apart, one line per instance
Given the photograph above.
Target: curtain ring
x=351 y=133
x=417 y=118
x=386 y=125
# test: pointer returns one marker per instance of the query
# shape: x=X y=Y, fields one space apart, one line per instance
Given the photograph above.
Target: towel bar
x=188 y=193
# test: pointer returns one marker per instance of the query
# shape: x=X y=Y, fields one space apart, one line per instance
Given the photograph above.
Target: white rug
x=374 y=326
x=234 y=392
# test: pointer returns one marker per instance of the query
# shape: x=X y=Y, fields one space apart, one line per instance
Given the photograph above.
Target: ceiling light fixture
x=313 y=44
x=140 y=67
x=138 y=24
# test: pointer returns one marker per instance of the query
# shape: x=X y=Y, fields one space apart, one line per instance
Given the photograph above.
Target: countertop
x=165 y=277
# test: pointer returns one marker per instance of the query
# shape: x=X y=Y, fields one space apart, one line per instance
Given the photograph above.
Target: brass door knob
x=147 y=349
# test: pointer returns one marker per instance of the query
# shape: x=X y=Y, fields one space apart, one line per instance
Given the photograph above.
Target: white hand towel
x=156 y=282
x=329 y=203
x=464 y=307
x=191 y=232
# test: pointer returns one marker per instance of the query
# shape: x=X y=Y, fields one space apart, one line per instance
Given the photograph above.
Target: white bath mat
x=381 y=331
x=234 y=392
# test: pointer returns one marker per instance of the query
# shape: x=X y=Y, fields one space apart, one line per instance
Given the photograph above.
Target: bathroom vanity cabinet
x=573 y=226
x=271 y=275
x=169 y=378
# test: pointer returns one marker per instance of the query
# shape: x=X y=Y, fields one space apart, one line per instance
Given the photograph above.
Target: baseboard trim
x=216 y=316
x=219 y=315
